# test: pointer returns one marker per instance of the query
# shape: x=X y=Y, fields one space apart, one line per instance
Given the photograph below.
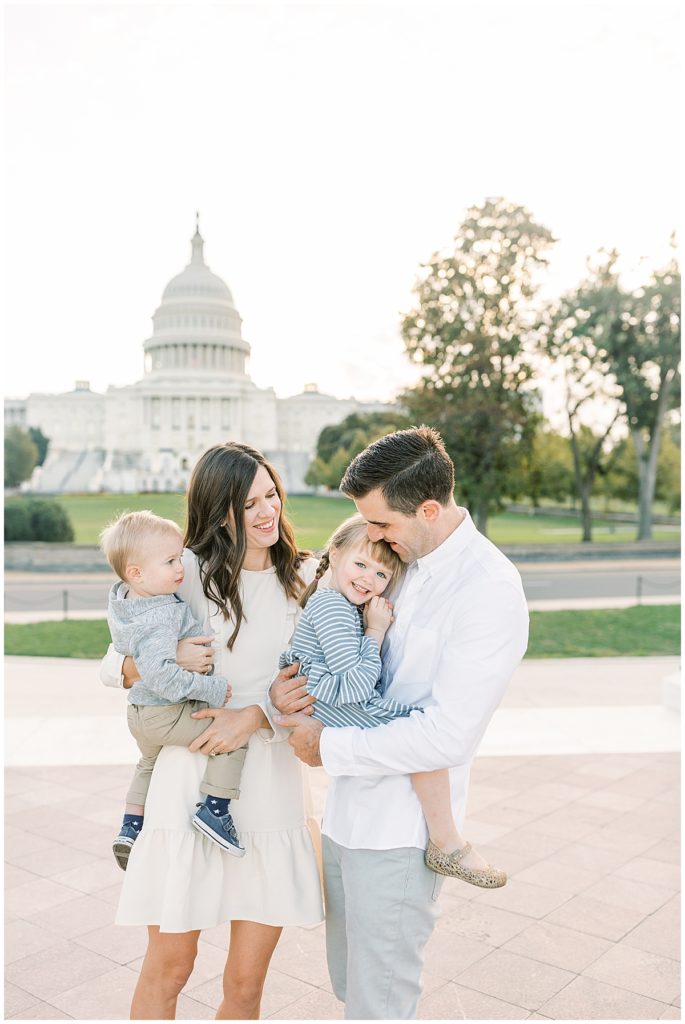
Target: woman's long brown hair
x=220 y=484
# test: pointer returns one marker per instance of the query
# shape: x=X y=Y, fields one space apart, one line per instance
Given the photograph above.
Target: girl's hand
x=194 y=654
x=378 y=614
x=229 y=730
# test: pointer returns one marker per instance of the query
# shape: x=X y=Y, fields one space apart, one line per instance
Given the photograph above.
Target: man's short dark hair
x=408 y=467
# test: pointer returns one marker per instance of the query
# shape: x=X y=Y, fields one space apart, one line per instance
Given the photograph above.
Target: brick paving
x=587 y=927
x=576 y=797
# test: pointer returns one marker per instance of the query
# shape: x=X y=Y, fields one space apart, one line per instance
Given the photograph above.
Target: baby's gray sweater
x=148 y=628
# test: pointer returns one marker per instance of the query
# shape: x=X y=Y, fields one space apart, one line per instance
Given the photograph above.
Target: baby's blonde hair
x=352 y=533
x=125 y=537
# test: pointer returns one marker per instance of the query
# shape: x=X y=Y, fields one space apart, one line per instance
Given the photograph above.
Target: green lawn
x=606 y=632
x=626 y=632
x=315 y=518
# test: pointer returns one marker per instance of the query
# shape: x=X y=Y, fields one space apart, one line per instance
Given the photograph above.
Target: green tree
x=642 y=340
x=625 y=346
x=549 y=467
x=41 y=442
x=344 y=434
x=622 y=479
x=338 y=444
x=21 y=456
x=571 y=342
x=470 y=327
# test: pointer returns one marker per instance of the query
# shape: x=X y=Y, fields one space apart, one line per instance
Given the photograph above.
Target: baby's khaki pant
x=154 y=726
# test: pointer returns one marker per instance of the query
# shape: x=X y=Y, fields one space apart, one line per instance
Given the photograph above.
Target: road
x=559 y=584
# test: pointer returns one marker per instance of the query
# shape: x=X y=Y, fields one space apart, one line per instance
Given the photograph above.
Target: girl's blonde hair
x=125 y=538
x=353 y=533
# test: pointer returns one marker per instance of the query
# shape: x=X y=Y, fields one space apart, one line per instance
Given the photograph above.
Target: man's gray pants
x=380 y=911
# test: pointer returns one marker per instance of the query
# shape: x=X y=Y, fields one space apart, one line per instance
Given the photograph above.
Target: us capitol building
x=195 y=392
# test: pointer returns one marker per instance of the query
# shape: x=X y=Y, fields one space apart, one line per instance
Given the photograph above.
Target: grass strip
x=586 y=633
x=315 y=517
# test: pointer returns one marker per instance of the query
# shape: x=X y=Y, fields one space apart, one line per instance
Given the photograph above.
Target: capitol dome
x=196 y=326
x=197 y=281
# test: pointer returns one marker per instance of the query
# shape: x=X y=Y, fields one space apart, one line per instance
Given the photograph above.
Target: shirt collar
x=450 y=548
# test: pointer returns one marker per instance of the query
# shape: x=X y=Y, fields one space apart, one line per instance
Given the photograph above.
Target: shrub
x=37 y=519
x=18 y=521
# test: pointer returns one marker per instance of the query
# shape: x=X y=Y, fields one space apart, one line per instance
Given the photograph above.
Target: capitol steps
x=66 y=472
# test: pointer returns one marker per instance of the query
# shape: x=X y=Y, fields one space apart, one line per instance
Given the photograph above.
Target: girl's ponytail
x=322 y=567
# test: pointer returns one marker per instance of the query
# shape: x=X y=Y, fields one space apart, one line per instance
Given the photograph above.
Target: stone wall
x=38 y=557
x=41 y=557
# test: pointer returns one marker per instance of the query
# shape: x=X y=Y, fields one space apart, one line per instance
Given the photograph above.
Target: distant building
x=195 y=392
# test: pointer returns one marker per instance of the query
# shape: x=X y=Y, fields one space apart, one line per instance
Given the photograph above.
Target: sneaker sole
x=228 y=847
x=121 y=848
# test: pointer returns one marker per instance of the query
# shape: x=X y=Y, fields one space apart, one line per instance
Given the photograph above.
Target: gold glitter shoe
x=448 y=864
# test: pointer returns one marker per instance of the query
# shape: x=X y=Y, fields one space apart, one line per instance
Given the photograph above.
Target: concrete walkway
x=575 y=794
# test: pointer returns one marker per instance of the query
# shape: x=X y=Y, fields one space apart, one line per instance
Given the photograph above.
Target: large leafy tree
x=339 y=443
x=622 y=479
x=619 y=354
x=21 y=456
x=642 y=339
x=470 y=327
x=41 y=442
x=549 y=468
x=571 y=342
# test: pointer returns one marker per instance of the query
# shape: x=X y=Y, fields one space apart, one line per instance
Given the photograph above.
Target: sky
x=330 y=150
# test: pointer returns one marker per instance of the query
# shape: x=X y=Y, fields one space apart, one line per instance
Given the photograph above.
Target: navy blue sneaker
x=123 y=845
x=219 y=828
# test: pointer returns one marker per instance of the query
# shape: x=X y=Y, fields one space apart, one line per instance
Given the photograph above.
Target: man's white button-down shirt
x=460 y=630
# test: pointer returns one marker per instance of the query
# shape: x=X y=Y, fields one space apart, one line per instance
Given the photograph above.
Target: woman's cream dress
x=178 y=879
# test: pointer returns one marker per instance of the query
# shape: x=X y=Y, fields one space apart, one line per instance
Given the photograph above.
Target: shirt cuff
x=111 y=669
x=336 y=747
x=277 y=734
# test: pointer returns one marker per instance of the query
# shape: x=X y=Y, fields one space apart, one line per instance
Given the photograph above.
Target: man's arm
x=477 y=662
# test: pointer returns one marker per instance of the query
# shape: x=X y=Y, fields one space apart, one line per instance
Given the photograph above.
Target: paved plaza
x=575 y=795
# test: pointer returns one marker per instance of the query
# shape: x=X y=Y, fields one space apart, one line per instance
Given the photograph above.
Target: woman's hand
x=229 y=730
x=129 y=672
x=195 y=654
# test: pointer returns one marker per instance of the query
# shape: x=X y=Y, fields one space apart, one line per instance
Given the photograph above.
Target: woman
x=243 y=576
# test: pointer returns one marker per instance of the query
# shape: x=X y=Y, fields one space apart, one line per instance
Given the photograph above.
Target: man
x=460 y=630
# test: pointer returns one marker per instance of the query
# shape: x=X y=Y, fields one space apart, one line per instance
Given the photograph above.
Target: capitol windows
x=190 y=413
x=204 y=413
x=176 y=413
x=225 y=413
x=155 y=413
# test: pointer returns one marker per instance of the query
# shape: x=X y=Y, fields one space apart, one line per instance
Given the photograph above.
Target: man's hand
x=289 y=692
x=304 y=738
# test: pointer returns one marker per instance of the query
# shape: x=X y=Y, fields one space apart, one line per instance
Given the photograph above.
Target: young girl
x=337 y=642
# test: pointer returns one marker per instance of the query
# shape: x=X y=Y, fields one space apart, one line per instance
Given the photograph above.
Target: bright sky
x=330 y=149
